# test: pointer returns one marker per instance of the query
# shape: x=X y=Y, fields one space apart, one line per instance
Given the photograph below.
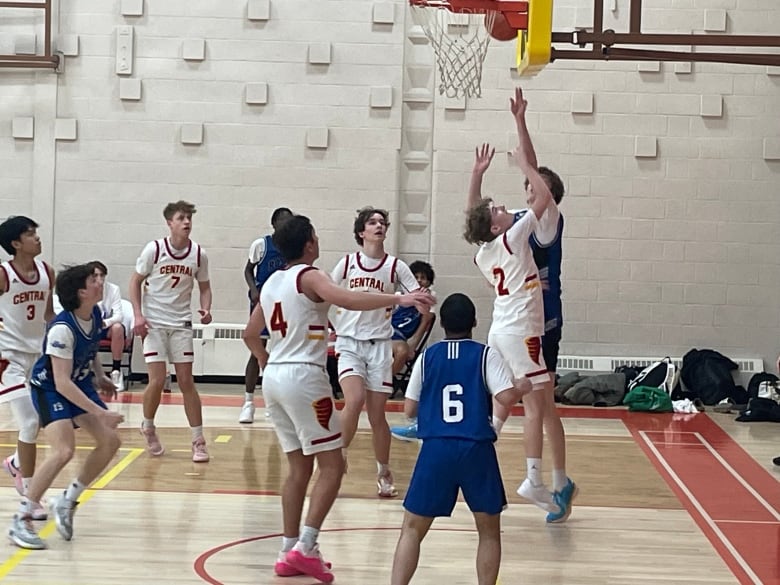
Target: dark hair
x=363 y=216
x=174 y=207
x=458 y=314
x=553 y=182
x=98 y=265
x=11 y=230
x=70 y=281
x=280 y=214
x=423 y=267
x=478 y=223
x=291 y=237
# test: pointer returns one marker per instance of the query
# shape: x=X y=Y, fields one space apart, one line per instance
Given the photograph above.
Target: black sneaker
x=776 y=460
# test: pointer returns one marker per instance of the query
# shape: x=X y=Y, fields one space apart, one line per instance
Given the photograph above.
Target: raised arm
x=518 y=106
x=482 y=160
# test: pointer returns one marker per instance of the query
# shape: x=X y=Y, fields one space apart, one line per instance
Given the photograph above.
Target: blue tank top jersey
x=84 y=352
x=548 y=260
x=405 y=320
x=454 y=399
x=271 y=262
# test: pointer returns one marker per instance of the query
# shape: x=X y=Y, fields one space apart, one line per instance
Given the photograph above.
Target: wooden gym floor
x=663 y=499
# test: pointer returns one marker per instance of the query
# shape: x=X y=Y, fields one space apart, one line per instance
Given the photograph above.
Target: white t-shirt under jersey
x=358 y=272
x=170 y=277
x=508 y=264
x=22 y=309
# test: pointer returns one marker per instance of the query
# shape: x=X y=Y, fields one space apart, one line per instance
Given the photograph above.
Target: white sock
x=196 y=432
x=534 y=467
x=498 y=424
x=288 y=542
x=75 y=489
x=308 y=537
x=148 y=423
x=382 y=469
x=559 y=479
x=249 y=397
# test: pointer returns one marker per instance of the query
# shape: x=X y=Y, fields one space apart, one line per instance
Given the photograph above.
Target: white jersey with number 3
x=22 y=309
x=508 y=264
x=297 y=326
x=170 y=276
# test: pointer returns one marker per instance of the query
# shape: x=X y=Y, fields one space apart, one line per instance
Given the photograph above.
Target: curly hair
x=478 y=223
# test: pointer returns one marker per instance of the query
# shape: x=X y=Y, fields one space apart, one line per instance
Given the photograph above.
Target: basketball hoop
x=459 y=31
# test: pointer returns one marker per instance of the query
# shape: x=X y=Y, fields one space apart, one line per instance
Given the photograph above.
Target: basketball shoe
x=405 y=433
x=309 y=562
x=15 y=473
x=63 y=510
x=199 y=452
x=538 y=495
x=247 y=413
x=563 y=498
x=385 y=487
x=153 y=445
x=23 y=535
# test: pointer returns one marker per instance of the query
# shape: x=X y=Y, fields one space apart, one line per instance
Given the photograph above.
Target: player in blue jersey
x=546 y=247
x=451 y=391
x=63 y=392
x=264 y=260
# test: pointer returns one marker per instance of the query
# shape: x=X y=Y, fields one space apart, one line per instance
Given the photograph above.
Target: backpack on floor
x=764 y=385
x=707 y=375
x=662 y=374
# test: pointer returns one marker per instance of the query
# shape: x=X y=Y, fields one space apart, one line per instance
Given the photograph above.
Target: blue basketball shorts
x=447 y=465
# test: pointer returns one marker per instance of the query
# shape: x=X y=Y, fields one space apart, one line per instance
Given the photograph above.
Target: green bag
x=648 y=399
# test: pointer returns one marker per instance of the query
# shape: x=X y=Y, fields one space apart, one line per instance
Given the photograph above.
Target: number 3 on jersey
x=277 y=320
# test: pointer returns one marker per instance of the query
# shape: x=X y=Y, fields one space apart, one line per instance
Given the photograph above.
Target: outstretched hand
x=422 y=300
x=483 y=158
x=518 y=104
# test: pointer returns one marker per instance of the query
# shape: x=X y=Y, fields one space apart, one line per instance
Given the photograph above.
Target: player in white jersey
x=25 y=307
x=168 y=269
x=113 y=323
x=364 y=338
x=294 y=306
x=506 y=260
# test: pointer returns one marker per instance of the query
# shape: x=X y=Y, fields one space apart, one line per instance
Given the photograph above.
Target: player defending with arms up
x=168 y=269
x=294 y=307
x=451 y=391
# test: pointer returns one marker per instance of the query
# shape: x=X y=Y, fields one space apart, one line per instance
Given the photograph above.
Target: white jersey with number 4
x=170 y=277
x=297 y=326
x=508 y=264
x=22 y=309
x=358 y=272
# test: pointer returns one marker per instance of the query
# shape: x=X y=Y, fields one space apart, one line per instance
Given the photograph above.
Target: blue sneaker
x=407 y=433
x=563 y=498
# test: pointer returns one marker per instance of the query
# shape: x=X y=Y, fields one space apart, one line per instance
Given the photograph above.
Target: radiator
x=219 y=350
x=602 y=364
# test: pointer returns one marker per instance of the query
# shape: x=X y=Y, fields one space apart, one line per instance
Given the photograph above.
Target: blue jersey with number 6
x=455 y=401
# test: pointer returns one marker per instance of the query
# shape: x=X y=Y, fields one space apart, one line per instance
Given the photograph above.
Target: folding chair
x=401 y=379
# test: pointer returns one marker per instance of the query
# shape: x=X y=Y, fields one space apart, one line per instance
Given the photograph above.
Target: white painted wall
x=662 y=254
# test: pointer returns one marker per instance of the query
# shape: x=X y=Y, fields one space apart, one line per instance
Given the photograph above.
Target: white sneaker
x=118 y=380
x=247 y=413
x=538 y=495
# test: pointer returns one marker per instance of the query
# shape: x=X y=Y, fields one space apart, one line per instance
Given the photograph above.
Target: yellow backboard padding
x=534 y=44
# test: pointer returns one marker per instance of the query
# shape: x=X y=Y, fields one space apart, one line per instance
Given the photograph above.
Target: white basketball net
x=460 y=41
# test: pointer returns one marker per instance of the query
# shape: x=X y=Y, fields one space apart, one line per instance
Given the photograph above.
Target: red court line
x=237 y=400
x=733 y=500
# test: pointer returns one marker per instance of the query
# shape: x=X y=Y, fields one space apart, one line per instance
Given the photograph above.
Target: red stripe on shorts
x=326 y=439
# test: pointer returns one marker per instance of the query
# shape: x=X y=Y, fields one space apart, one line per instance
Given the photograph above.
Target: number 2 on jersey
x=277 y=320
x=501 y=290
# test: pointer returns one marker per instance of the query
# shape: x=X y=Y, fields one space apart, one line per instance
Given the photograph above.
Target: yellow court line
x=223 y=438
x=45 y=532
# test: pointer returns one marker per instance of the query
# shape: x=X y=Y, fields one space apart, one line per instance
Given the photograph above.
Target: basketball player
x=363 y=341
x=450 y=391
x=294 y=306
x=169 y=268
x=264 y=260
x=113 y=327
x=506 y=260
x=63 y=391
x=25 y=307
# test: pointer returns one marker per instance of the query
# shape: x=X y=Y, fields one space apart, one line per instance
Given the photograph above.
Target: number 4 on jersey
x=277 y=320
